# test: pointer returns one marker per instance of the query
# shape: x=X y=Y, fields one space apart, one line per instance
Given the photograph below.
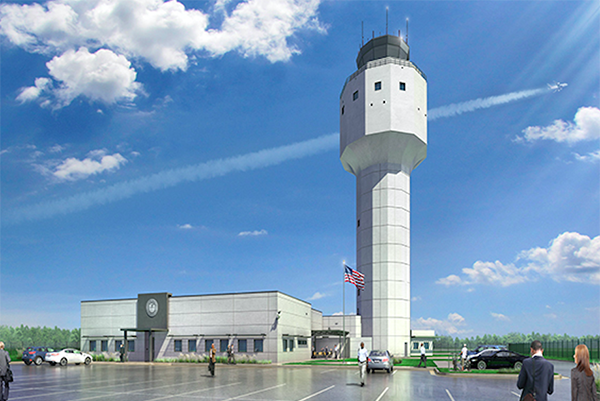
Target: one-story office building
x=266 y=325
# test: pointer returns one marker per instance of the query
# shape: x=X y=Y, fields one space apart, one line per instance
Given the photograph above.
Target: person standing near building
x=122 y=352
x=363 y=354
x=463 y=356
x=423 y=357
x=536 y=377
x=336 y=351
x=583 y=387
x=4 y=365
x=212 y=359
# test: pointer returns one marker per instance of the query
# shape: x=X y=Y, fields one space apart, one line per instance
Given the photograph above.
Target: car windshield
x=377 y=353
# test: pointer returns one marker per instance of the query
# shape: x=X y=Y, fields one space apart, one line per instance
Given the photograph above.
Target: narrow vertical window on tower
x=402 y=86
x=378 y=86
x=355 y=95
x=342 y=110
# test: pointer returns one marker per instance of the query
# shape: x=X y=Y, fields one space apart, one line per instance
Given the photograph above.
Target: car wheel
x=38 y=360
x=27 y=363
x=518 y=365
x=53 y=363
x=389 y=370
x=63 y=362
x=481 y=365
x=88 y=360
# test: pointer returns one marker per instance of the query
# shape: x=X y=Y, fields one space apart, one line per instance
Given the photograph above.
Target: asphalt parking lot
x=144 y=382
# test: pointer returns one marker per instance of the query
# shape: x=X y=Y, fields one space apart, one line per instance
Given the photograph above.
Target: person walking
x=4 y=366
x=423 y=357
x=363 y=354
x=463 y=356
x=212 y=359
x=583 y=387
x=536 y=377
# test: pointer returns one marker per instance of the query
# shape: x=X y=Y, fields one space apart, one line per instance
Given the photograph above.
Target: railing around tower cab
x=380 y=62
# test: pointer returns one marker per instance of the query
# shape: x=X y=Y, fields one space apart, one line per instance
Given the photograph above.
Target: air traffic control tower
x=383 y=137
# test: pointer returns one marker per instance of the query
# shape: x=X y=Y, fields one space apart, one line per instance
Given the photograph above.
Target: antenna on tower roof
x=362 y=33
x=406 y=31
x=386 y=20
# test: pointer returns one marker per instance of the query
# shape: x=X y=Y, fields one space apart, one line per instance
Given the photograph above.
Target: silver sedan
x=380 y=360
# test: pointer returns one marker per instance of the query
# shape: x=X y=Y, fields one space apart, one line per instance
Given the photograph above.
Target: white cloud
x=34 y=92
x=591 y=157
x=185 y=226
x=453 y=324
x=500 y=317
x=585 y=127
x=74 y=169
x=253 y=233
x=161 y=33
x=316 y=295
x=569 y=257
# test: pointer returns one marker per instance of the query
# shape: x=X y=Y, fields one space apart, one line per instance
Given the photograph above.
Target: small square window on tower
x=402 y=86
x=355 y=95
x=378 y=86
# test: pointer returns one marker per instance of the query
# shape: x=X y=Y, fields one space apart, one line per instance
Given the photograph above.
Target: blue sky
x=192 y=147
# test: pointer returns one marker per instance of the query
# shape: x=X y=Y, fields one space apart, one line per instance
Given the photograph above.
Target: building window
x=415 y=345
x=302 y=343
x=130 y=346
x=291 y=344
x=92 y=345
x=402 y=86
x=178 y=347
x=191 y=345
x=355 y=95
x=118 y=345
x=104 y=345
x=343 y=110
x=426 y=345
x=207 y=344
x=258 y=345
x=223 y=345
x=242 y=346
x=378 y=86
x=285 y=342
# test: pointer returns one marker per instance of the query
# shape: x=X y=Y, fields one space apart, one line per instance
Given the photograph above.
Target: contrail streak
x=170 y=178
x=482 y=103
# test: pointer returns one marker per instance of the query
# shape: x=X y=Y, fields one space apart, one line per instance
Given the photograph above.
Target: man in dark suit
x=537 y=374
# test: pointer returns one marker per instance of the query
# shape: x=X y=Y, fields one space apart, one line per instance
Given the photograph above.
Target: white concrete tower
x=383 y=137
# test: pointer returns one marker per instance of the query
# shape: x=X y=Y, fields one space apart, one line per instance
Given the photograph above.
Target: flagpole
x=343 y=348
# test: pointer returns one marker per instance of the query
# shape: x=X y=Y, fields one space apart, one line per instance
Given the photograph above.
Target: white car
x=68 y=355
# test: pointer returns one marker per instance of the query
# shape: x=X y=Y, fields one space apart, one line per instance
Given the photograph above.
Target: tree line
x=449 y=342
x=21 y=337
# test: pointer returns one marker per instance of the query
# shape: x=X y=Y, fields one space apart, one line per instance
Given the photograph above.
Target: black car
x=496 y=358
x=484 y=347
x=35 y=355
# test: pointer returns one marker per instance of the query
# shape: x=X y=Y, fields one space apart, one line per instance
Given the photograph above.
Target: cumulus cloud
x=33 y=92
x=585 y=127
x=161 y=33
x=98 y=161
x=453 y=324
x=255 y=233
x=569 y=257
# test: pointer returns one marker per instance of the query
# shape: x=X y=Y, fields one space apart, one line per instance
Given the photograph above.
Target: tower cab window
x=355 y=95
x=378 y=86
x=402 y=86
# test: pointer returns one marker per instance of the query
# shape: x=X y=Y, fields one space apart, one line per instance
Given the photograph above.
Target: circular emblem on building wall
x=152 y=307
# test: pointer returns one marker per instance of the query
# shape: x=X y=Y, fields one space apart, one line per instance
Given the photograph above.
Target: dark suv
x=35 y=355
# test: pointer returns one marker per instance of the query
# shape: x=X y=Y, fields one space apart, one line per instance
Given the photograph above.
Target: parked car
x=35 y=355
x=494 y=358
x=380 y=360
x=68 y=355
x=484 y=347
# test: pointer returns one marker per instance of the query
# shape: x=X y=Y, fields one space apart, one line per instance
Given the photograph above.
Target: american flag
x=355 y=277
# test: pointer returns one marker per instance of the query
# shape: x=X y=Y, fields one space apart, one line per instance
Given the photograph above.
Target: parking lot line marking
x=518 y=395
x=382 y=394
x=71 y=391
x=254 y=392
x=316 y=394
x=189 y=392
x=450 y=395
